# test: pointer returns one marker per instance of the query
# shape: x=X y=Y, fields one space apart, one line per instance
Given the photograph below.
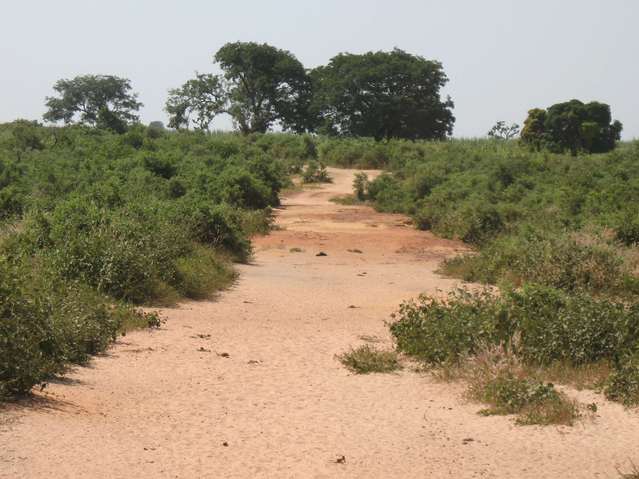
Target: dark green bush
x=540 y=324
x=104 y=220
x=47 y=322
x=556 y=259
x=439 y=331
x=623 y=383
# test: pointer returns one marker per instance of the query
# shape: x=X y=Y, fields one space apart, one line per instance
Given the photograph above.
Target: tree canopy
x=572 y=126
x=199 y=99
x=264 y=85
x=382 y=95
x=97 y=100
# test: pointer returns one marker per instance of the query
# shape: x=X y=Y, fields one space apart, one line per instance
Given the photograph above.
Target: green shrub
x=368 y=359
x=105 y=220
x=219 y=226
x=534 y=402
x=315 y=172
x=438 y=331
x=360 y=186
x=541 y=324
x=47 y=322
x=544 y=257
x=623 y=383
x=202 y=273
x=628 y=231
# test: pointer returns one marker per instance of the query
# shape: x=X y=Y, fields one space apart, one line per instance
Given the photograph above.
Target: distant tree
x=382 y=95
x=198 y=100
x=502 y=131
x=572 y=126
x=264 y=85
x=156 y=129
x=534 y=131
x=104 y=101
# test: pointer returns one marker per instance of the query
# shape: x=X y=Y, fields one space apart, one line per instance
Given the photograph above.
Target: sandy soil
x=168 y=403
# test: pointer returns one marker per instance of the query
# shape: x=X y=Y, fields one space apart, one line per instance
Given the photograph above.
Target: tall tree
x=199 y=100
x=264 y=85
x=572 y=126
x=382 y=95
x=95 y=100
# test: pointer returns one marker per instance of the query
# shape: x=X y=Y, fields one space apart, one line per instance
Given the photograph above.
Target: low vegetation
x=94 y=223
x=367 y=359
x=315 y=172
x=556 y=232
x=539 y=326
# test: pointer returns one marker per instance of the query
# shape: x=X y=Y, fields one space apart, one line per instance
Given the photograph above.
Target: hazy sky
x=502 y=57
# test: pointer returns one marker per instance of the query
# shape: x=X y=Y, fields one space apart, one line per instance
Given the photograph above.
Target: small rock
x=224 y=355
x=204 y=350
x=352 y=306
x=341 y=460
x=321 y=253
x=225 y=444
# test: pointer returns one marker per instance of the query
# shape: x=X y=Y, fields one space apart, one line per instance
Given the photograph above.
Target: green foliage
x=534 y=402
x=438 y=332
x=46 y=322
x=199 y=100
x=264 y=85
x=623 y=383
x=502 y=131
x=367 y=359
x=103 y=221
x=97 y=100
x=540 y=325
x=382 y=95
x=545 y=257
x=572 y=126
x=315 y=172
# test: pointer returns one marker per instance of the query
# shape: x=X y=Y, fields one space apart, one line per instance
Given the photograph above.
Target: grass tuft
x=369 y=359
x=497 y=379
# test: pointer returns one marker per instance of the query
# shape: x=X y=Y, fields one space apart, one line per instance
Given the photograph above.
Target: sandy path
x=281 y=405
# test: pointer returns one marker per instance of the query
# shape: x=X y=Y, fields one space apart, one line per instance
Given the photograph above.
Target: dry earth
x=168 y=403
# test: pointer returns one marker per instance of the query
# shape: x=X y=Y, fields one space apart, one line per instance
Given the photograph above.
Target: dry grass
x=632 y=474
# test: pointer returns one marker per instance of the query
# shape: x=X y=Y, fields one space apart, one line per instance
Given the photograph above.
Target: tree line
x=381 y=95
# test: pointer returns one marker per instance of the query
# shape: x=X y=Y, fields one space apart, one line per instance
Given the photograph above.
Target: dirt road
x=248 y=386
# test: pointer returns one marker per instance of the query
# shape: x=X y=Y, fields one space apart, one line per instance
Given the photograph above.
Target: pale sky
x=502 y=57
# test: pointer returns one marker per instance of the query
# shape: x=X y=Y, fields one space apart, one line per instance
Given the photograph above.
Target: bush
x=623 y=383
x=106 y=220
x=46 y=322
x=218 y=226
x=550 y=258
x=315 y=172
x=534 y=402
x=367 y=359
x=360 y=186
x=541 y=324
x=443 y=331
x=201 y=273
x=628 y=231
